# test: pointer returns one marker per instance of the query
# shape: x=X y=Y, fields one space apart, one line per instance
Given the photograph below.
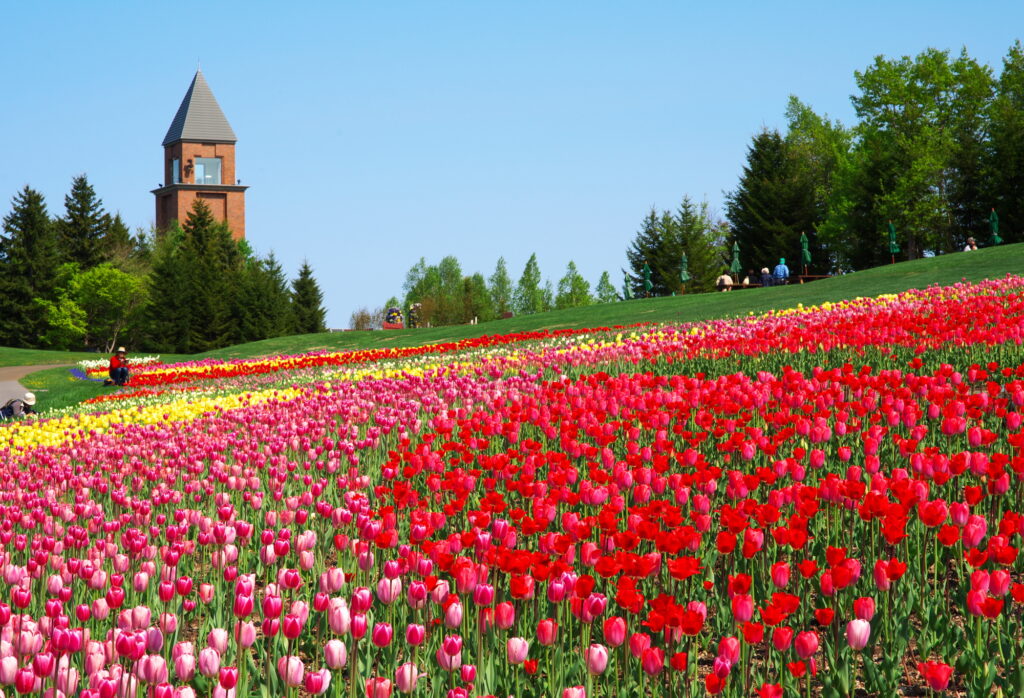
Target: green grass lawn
x=948 y=269
x=61 y=390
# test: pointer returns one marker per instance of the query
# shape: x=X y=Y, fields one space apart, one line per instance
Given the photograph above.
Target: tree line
x=82 y=280
x=937 y=146
x=444 y=295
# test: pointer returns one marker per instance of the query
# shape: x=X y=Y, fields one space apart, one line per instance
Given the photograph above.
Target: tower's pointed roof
x=199 y=117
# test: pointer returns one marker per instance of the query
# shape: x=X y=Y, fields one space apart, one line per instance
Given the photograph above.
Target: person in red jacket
x=119 y=367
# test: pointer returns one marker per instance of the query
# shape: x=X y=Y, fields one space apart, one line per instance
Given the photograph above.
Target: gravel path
x=9 y=377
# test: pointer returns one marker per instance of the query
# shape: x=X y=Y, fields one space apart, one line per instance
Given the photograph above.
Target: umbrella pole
x=894 y=259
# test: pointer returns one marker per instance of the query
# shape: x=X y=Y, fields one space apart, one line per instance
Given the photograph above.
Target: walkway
x=9 y=377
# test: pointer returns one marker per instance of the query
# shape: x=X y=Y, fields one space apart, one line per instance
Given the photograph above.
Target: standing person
x=781 y=273
x=766 y=277
x=971 y=245
x=724 y=282
x=119 y=367
x=18 y=407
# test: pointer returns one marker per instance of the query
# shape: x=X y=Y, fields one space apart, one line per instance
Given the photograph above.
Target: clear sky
x=374 y=133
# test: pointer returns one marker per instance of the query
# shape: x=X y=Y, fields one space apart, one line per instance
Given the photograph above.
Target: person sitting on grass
x=18 y=407
x=118 y=368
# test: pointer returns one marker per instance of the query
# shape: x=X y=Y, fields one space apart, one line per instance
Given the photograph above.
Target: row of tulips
x=575 y=520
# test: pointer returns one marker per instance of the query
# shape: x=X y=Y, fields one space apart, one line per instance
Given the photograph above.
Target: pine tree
x=263 y=304
x=772 y=205
x=213 y=267
x=529 y=297
x=29 y=258
x=702 y=242
x=84 y=226
x=307 y=303
x=606 y=292
x=646 y=248
x=573 y=289
x=170 y=295
x=500 y=287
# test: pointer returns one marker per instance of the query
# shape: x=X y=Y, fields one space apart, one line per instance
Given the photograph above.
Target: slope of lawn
x=948 y=269
x=58 y=389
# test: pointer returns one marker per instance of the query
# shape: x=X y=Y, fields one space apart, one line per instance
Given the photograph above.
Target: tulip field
x=821 y=501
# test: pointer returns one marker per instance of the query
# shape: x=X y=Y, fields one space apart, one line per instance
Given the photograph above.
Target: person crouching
x=119 y=367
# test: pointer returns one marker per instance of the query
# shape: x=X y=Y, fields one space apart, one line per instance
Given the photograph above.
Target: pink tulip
x=406 y=677
x=291 y=670
x=335 y=654
x=382 y=634
x=806 y=644
x=516 y=649
x=857 y=633
x=574 y=692
x=596 y=659
x=209 y=662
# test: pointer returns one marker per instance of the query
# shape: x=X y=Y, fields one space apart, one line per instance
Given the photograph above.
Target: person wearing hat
x=781 y=273
x=119 y=368
x=18 y=407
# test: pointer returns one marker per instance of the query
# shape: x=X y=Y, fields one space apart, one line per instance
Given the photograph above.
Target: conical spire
x=199 y=117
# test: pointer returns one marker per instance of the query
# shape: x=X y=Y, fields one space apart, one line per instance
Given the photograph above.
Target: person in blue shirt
x=781 y=273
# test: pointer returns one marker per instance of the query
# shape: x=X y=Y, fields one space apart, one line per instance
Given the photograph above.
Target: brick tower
x=199 y=163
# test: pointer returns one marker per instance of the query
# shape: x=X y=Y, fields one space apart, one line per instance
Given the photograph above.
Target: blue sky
x=374 y=133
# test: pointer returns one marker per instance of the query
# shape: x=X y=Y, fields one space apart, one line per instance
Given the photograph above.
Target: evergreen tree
x=1006 y=161
x=647 y=248
x=214 y=264
x=29 y=258
x=170 y=295
x=773 y=203
x=84 y=226
x=476 y=299
x=500 y=287
x=307 y=303
x=606 y=292
x=573 y=289
x=529 y=297
x=263 y=304
x=703 y=243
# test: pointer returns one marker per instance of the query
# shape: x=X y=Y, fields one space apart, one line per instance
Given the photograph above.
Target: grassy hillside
x=948 y=269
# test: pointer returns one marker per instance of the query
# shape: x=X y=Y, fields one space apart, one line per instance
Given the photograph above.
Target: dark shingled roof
x=199 y=117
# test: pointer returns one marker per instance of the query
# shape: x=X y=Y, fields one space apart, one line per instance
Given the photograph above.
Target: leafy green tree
x=450 y=308
x=66 y=324
x=29 y=257
x=308 y=314
x=84 y=226
x=500 y=287
x=111 y=301
x=916 y=157
x=529 y=297
x=606 y=292
x=773 y=203
x=573 y=289
x=476 y=299
x=1006 y=159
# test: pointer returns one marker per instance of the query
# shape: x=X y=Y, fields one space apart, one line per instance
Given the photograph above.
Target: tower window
x=176 y=171
x=207 y=170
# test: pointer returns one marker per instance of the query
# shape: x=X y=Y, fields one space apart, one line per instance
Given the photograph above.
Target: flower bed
x=805 y=502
